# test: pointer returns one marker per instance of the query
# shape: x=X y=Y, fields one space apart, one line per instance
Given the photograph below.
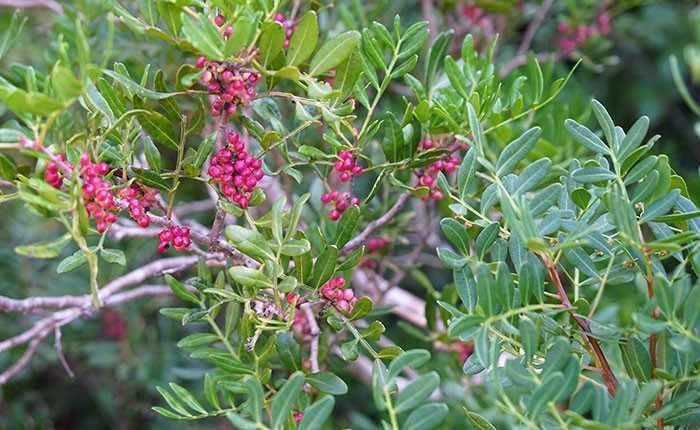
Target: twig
x=314 y=334
x=602 y=361
x=534 y=25
x=388 y=216
x=27 y=4
x=59 y=349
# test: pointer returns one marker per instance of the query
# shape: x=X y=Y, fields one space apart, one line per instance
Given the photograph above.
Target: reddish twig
x=602 y=362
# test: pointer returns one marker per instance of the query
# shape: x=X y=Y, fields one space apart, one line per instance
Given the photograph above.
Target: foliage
x=567 y=294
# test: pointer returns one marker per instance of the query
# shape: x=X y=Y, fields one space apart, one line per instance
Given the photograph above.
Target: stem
x=652 y=338
x=602 y=362
x=390 y=410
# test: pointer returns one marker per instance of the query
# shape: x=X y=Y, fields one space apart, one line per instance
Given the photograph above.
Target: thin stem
x=606 y=371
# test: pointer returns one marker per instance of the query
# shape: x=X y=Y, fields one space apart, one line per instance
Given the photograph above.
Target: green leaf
x=295 y=247
x=517 y=150
x=72 y=262
x=197 y=339
x=636 y=359
x=691 y=308
x=230 y=365
x=633 y=139
x=417 y=392
x=528 y=284
x=240 y=37
x=466 y=287
x=160 y=128
x=466 y=174
x=241 y=423
x=479 y=422
x=180 y=290
x=361 y=308
x=249 y=242
x=249 y=277
x=456 y=233
x=456 y=77
x=426 y=417
x=283 y=401
x=136 y=88
x=475 y=127
x=347 y=74
x=173 y=402
x=317 y=414
x=327 y=382
x=380 y=382
x=45 y=249
x=660 y=207
x=606 y=123
x=486 y=238
x=450 y=259
x=288 y=350
x=255 y=398
x=325 y=266
x=393 y=144
x=150 y=178
x=404 y=67
x=413 y=358
x=586 y=137
x=346 y=226
x=374 y=331
x=413 y=39
x=187 y=398
x=304 y=40
x=486 y=290
x=271 y=42
x=204 y=38
x=436 y=54
x=529 y=337
x=664 y=295
x=114 y=256
x=333 y=52
x=586 y=175
x=152 y=155
x=171 y=16
x=549 y=391
x=532 y=175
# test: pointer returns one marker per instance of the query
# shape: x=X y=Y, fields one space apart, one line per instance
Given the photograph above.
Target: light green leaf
x=333 y=52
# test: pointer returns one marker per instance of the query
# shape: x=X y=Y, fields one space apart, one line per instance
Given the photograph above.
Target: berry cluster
x=346 y=166
x=428 y=177
x=288 y=28
x=236 y=171
x=374 y=244
x=340 y=201
x=575 y=36
x=140 y=202
x=179 y=237
x=232 y=87
x=344 y=297
x=53 y=175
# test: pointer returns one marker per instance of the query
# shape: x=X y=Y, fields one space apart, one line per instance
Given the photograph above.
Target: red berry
x=243 y=202
x=165 y=236
x=344 y=177
x=340 y=281
x=110 y=217
x=326 y=198
x=219 y=20
x=184 y=231
x=334 y=215
x=163 y=245
x=291 y=297
x=298 y=416
x=215 y=171
x=343 y=305
x=233 y=137
x=101 y=226
x=341 y=205
x=144 y=221
x=356 y=170
x=85 y=159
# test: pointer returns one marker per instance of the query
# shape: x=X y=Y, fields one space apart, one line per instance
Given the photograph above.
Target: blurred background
x=119 y=355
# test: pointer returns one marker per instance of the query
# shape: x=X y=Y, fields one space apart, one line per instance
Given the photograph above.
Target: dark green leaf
x=517 y=150
x=150 y=178
x=333 y=52
x=180 y=290
x=586 y=137
x=426 y=417
x=417 y=392
x=327 y=382
x=466 y=287
x=346 y=226
x=325 y=266
x=304 y=40
x=284 y=399
x=250 y=277
x=317 y=414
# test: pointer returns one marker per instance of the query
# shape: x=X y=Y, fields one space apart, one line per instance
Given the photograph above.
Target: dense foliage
x=273 y=214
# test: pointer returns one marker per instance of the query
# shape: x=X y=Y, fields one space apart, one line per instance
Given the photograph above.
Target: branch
x=602 y=361
x=314 y=334
x=27 y=4
x=388 y=216
x=534 y=25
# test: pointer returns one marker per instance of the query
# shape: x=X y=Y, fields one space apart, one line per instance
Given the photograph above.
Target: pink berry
x=163 y=245
x=110 y=217
x=326 y=198
x=291 y=297
x=101 y=227
x=243 y=202
x=334 y=215
x=341 y=205
x=355 y=201
x=339 y=281
x=233 y=137
x=207 y=76
x=343 y=305
x=356 y=170
x=144 y=221
x=344 y=177
x=219 y=20
x=201 y=62
x=85 y=159
x=215 y=171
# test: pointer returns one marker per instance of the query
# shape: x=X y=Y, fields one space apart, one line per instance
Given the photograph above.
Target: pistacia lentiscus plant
x=270 y=176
